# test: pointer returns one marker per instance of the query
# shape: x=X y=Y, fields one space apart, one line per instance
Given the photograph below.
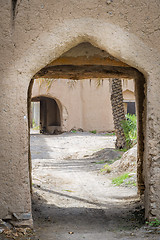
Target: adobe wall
x=84 y=104
x=40 y=31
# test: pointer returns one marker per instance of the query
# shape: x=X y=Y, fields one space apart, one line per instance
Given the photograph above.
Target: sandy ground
x=73 y=200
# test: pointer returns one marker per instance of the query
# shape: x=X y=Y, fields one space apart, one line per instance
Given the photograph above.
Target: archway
x=124 y=46
x=65 y=67
x=129 y=102
x=49 y=115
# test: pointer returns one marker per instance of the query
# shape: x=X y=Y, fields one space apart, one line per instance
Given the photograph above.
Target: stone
x=4 y=226
x=128 y=162
x=24 y=223
x=22 y=216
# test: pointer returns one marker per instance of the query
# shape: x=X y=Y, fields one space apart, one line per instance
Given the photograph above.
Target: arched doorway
x=49 y=114
x=87 y=61
x=129 y=102
x=47 y=48
x=71 y=66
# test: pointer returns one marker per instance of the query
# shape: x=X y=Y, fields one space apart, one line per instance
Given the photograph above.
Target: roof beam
x=85 y=72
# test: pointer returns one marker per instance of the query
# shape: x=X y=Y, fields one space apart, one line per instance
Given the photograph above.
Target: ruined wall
x=34 y=33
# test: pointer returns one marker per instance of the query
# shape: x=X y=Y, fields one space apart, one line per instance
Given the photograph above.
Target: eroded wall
x=36 y=33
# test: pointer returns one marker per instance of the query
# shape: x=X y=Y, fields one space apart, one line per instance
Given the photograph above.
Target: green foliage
x=33 y=123
x=122 y=150
x=125 y=179
x=67 y=190
x=36 y=128
x=131 y=183
x=154 y=223
x=119 y=180
x=130 y=129
x=106 y=168
x=74 y=131
x=110 y=134
x=94 y=131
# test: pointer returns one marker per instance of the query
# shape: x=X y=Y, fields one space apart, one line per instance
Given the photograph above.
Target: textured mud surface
x=72 y=199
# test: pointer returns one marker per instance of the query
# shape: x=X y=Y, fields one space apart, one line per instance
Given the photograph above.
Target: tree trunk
x=118 y=112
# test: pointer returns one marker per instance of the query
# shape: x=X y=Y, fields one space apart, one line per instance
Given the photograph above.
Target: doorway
x=45 y=115
x=85 y=70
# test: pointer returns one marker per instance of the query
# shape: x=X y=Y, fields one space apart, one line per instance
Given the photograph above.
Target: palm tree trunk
x=118 y=112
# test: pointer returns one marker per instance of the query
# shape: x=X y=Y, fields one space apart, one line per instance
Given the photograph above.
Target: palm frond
x=71 y=83
x=99 y=82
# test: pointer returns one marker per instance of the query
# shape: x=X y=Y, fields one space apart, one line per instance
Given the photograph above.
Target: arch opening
x=129 y=102
x=75 y=67
x=45 y=115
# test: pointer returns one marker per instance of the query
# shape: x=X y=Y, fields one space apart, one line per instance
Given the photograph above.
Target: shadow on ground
x=128 y=216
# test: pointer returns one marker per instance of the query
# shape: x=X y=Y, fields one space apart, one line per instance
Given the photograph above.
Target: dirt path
x=72 y=199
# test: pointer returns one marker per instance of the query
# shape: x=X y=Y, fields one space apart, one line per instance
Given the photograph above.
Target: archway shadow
x=126 y=215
